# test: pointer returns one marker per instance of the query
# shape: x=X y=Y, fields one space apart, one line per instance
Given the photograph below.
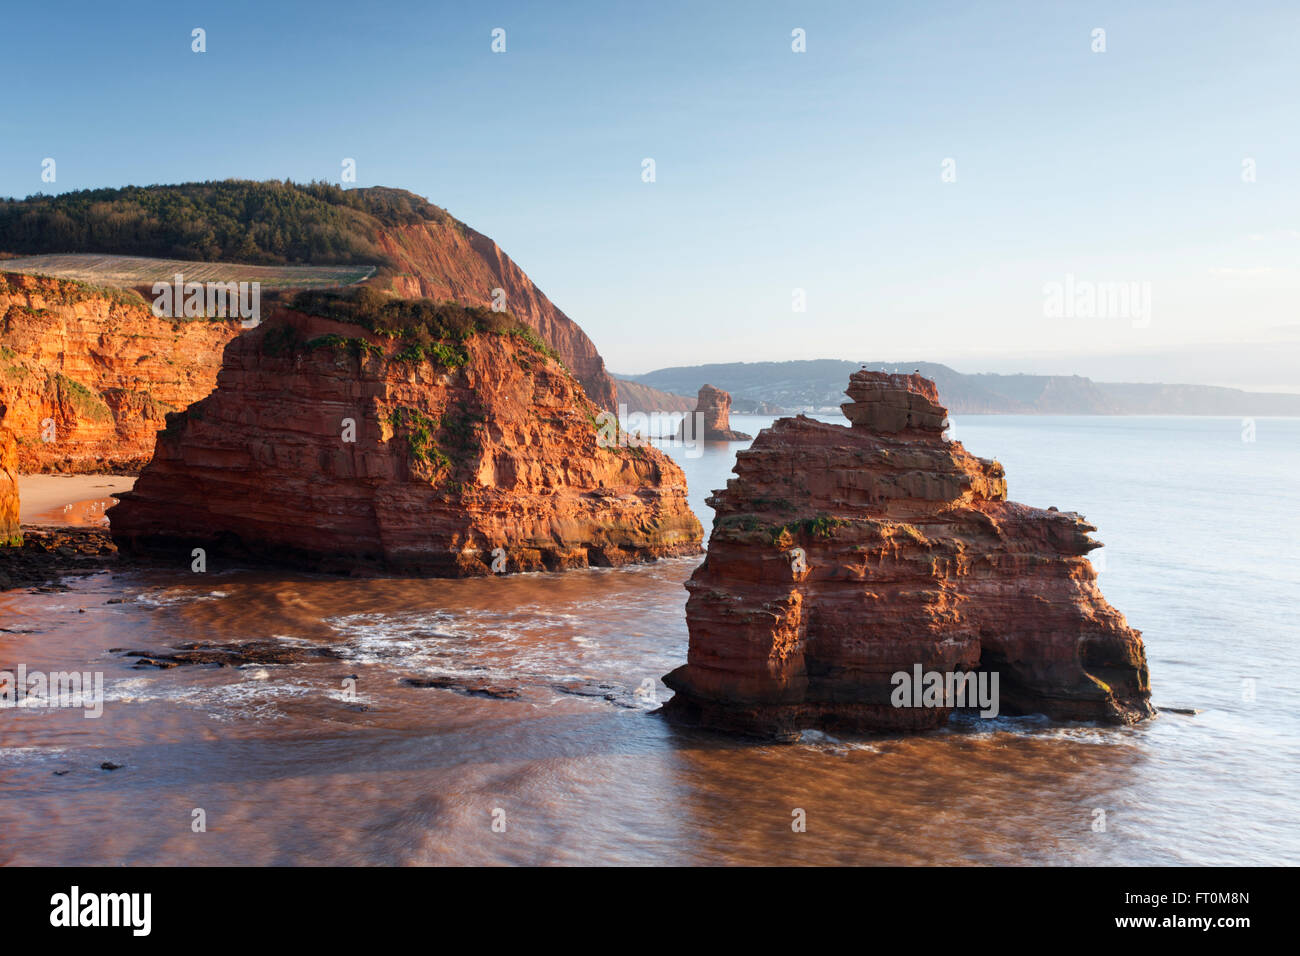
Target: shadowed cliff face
x=841 y=556
x=330 y=447
x=87 y=375
x=452 y=261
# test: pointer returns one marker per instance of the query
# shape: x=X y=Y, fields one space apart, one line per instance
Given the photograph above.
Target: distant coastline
x=777 y=388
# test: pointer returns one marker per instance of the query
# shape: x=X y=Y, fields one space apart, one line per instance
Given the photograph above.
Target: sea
x=352 y=758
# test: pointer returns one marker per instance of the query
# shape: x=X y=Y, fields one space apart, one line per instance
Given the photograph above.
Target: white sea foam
x=250 y=696
x=27 y=754
x=171 y=597
x=483 y=645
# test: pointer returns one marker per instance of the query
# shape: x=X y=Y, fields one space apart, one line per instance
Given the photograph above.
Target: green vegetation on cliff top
x=429 y=330
x=262 y=223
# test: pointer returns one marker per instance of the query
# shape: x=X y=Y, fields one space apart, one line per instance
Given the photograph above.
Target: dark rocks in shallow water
x=46 y=554
x=230 y=655
x=611 y=693
x=587 y=690
x=146 y=662
x=468 y=688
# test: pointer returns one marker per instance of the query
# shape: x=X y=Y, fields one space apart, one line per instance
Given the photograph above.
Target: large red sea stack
x=841 y=556
x=329 y=446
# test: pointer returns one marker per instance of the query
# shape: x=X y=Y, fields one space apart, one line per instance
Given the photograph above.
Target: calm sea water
x=289 y=768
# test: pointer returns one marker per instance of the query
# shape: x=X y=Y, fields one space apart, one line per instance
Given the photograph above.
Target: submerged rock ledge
x=841 y=556
x=453 y=443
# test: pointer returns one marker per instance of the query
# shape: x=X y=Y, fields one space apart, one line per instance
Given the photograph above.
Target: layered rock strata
x=88 y=375
x=843 y=556
x=328 y=446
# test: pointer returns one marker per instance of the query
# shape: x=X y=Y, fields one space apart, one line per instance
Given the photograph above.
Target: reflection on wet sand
x=78 y=514
x=382 y=771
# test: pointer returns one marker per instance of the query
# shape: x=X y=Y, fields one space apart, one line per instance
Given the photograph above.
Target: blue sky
x=775 y=170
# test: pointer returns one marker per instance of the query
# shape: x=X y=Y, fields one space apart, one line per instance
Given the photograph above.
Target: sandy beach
x=67 y=499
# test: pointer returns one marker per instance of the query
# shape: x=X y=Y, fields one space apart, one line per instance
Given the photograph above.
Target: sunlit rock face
x=843 y=556
x=331 y=447
x=88 y=375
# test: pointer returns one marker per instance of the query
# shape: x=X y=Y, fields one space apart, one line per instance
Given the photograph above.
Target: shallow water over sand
x=291 y=767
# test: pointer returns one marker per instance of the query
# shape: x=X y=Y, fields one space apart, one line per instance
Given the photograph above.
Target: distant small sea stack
x=711 y=420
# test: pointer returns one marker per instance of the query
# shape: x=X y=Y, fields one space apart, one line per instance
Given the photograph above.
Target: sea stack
x=711 y=420
x=356 y=432
x=842 y=557
x=11 y=534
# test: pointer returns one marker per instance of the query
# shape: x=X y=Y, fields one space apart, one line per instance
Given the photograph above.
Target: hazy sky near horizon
x=775 y=170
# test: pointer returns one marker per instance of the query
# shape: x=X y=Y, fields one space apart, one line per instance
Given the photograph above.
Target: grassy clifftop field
x=140 y=272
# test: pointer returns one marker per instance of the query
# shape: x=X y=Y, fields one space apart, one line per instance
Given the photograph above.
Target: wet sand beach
x=68 y=499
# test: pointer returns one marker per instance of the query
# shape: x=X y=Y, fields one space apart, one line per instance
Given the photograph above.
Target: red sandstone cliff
x=489 y=444
x=910 y=555
x=87 y=375
x=711 y=420
x=10 y=531
x=449 y=260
